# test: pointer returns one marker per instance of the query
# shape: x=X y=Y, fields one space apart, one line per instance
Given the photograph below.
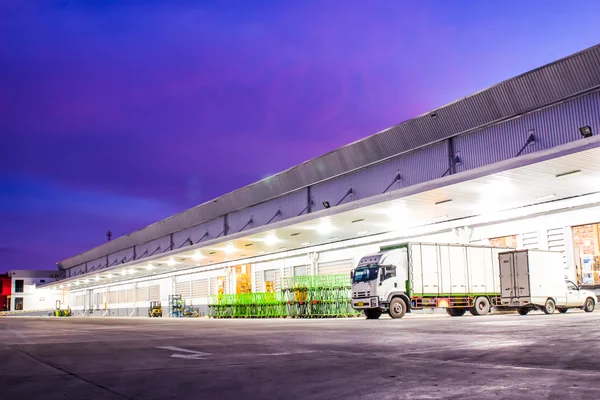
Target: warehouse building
x=513 y=165
x=19 y=290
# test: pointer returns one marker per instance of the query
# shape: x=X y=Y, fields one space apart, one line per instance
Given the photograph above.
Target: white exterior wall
x=34 y=298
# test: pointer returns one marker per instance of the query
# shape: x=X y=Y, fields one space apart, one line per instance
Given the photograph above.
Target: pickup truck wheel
x=549 y=307
x=372 y=313
x=562 y=310
x=589 y=305
x=523 y=311
x=397 y=308
x=481 y=307
x=456 y=312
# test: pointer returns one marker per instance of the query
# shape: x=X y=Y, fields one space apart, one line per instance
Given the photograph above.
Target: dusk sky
x=115 y=116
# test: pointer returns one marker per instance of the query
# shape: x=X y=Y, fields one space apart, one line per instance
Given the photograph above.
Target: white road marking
x=194 y=355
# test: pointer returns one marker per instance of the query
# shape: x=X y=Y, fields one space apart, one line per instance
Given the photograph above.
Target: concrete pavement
x=419 y=357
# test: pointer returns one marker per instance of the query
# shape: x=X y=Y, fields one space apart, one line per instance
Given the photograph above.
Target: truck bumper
x=515 y=302
x=367 y=302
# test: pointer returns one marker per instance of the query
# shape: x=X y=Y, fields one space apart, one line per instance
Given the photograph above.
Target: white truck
x=459 y=278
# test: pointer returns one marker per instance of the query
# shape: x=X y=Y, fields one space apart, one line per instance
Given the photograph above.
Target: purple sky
x=114 y=116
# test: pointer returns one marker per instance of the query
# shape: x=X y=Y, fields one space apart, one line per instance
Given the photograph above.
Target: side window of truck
x=390 y=272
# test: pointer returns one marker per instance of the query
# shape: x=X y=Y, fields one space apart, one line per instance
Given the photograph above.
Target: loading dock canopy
x=561 y=177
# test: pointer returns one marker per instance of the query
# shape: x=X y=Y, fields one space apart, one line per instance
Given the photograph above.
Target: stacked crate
x=315 y=296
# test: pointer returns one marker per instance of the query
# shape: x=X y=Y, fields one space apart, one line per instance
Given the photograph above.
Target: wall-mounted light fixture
x=586 y=131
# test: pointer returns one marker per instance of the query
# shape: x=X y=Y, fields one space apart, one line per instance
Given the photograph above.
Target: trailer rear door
x=522 y=274
x=507 y=279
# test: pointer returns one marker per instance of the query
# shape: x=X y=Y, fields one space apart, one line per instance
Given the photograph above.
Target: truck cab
x=379 y=284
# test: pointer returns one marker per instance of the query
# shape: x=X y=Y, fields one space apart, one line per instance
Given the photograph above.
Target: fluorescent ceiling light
x=197 y=256
x=109 y=276
x=87 y=281
x=577 y=171
x=171 y=262
x=149 y=267
x=131 y=271
x=362 y=232
x=68 y=285
x=123 y=273
x=325 y=227
x=437 y=203
x=61 y=286
x=229 y=249
x=305 y=244
x=271 y=240
x=97 y=278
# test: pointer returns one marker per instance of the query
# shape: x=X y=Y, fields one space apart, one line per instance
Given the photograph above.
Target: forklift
x=155 y=310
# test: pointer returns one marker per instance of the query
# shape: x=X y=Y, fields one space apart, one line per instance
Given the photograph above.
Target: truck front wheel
x=523 y=311
x=372 y=313
x=397 y=308
x=481 y=307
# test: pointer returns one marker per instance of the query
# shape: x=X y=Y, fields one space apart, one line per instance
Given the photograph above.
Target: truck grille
x=358 y=295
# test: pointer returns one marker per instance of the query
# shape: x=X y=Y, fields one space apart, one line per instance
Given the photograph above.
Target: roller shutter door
x=200 y=288
x=335 y=267
x=112 y=297
x=142 y=294
x=122 y=296
x=154 y=293
x=183 y=289
x=131 y=295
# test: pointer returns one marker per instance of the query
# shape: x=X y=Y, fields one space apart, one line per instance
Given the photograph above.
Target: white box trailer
x=535 y=279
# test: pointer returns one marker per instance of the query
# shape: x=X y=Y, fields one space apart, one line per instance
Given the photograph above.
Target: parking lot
x=418 y=357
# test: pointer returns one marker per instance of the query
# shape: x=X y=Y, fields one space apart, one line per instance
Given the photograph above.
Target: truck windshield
x=366 y=273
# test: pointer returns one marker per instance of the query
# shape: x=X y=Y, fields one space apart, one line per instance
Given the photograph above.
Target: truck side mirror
x=351 y=274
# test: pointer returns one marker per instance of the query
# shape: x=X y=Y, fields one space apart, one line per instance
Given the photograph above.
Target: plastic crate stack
x=248 y=305
x=176 y=306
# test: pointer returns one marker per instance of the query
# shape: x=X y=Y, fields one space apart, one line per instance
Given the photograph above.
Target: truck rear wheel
x=456 y=312
x=589 y=305
x=481 y=307
x=562 y=310
x=549 y=307
x=372 y=313
x=523 y=311
x=397 y=308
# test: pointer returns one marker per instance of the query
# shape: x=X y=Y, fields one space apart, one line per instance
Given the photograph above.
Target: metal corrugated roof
x=539 y=88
